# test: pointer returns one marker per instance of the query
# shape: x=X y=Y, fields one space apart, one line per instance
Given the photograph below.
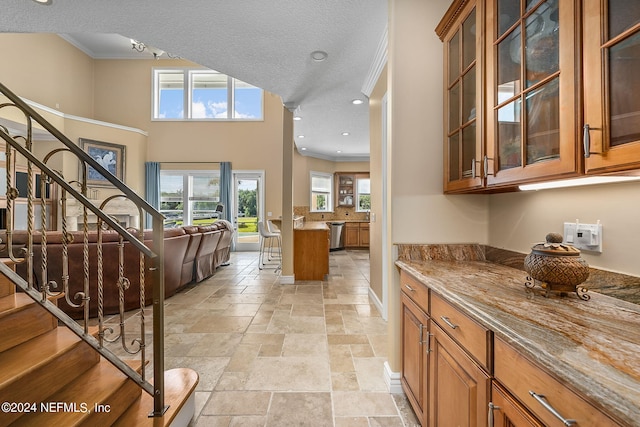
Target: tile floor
x=307 y=354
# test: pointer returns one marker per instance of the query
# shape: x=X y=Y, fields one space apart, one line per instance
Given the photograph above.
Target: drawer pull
x=543 y=401
x=409 y=287
x=492 y=408
x=446 y=320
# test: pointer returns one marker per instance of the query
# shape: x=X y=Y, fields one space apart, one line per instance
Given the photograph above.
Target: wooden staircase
x=49 y=376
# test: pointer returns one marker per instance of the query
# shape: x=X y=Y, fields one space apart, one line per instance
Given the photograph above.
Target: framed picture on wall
x=108 y=155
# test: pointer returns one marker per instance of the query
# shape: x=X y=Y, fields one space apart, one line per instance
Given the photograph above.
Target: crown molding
x=379 y=61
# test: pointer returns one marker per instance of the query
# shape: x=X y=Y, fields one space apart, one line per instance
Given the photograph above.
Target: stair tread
x=179 y=384
x=100 y=385
x=28 y=356
x=19 y=301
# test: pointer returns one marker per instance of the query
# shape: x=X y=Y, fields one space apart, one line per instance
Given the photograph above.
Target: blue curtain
x=152 y=188
x=225 y=189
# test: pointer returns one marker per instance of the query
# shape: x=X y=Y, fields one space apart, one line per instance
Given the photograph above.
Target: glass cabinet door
x=463 y=73
x=531 y=91
x=612 y=83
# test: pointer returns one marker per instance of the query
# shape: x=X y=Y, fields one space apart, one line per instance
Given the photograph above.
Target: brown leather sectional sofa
x=191 y=254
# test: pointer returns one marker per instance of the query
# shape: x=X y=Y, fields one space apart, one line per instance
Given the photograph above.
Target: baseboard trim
x=392 y=379
x=376 y=301
x=287 y=280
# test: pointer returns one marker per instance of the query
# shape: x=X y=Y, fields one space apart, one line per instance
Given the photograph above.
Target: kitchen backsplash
x=343 y=214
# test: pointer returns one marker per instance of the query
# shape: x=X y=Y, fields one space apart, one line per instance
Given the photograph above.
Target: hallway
x=309 y=354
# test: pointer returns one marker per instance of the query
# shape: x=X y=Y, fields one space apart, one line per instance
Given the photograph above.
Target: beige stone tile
x=209 y=369
x=276 y=339
x=236 y=403
x=370 y=404
x=301 y=299
x=249 y=421
x=347 y=339
x=337 y=329
x=300 y=409
x=213 y=421
x=351 y=422
x=389 y=422
x=344 y=381
x=201 y=398
x=243 y=358
x=181 y=343
x=362 y=350
x=370 y=373
x=232 y=381
x=304 y=345
x=213 y=324
x=270 y=350
x=290 y=374
x=340 y=358
x=314 y=310
x=216 y=345
x=379 y=343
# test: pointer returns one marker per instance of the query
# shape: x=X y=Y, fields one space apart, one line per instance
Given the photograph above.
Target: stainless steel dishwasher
x=337 y=235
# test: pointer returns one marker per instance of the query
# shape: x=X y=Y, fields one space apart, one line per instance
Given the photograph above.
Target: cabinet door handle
x=486 y=166
x=492 y=408
x=446 y=320
x=409 y=287
x=586 y=141
x=543 y=401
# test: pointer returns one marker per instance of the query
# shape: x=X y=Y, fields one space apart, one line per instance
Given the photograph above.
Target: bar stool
x=267 y=246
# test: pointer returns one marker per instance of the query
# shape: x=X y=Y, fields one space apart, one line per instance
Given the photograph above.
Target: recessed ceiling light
x=339 y=151
x=319 y=55
x=47 y=2
x=297 y=118
x=304 y=148
x=345 y=133
x=300 y=136
x=357 y=101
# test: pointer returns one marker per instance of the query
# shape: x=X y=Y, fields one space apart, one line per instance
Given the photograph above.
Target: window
x=363 y=194
x=321 y=192
x=188 y=94
x=189 y=197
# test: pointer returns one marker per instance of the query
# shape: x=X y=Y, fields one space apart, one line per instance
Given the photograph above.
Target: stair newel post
x=157 y=273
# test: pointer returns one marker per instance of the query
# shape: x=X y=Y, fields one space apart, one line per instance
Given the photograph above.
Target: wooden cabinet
x=444 y=385
x=311 y=251
x=461 y=32
x=611 y=52
x=345 y=190
x=356 y=235
x=546 y=398
x=415 y=329
x=505 y=411
x=532 y=85
x=459 y=389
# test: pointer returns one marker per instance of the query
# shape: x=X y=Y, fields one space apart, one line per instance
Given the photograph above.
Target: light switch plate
x=587 y=237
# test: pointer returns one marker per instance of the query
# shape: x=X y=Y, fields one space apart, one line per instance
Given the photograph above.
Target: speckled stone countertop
x=592 y=346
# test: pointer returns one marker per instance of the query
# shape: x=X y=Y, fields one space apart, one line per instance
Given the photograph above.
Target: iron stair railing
x=23 y=145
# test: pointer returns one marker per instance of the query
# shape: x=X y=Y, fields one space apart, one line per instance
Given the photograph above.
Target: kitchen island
x=588 y=348
x=311 y=250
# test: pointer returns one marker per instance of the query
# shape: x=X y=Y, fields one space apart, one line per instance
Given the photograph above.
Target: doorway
x=248 y=206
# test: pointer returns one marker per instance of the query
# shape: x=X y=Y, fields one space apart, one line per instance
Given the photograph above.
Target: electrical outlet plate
x=587 y=237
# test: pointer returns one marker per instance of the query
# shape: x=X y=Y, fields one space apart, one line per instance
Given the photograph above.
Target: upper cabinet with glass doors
x=611 y=51
x=532 y=105
x=461 y=32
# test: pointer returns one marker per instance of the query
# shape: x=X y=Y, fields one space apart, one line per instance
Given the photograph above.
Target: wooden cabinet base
x=311 y=254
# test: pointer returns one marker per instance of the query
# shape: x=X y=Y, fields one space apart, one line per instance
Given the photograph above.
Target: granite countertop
x=592 y=346
x=312 y=226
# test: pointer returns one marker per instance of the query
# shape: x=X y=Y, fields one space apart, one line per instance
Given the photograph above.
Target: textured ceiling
x=265 y=43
